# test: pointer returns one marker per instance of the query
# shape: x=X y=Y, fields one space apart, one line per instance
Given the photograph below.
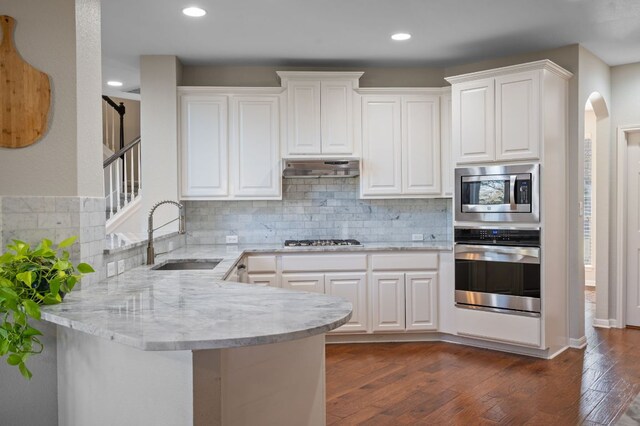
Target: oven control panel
x=499 y=236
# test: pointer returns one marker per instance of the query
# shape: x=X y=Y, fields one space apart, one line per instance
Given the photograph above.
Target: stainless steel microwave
x=498 y=193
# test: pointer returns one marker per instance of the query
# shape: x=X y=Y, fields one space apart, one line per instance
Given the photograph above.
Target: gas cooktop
x=320 y=243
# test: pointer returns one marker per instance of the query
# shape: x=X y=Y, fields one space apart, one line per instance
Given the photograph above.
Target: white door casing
x=633 y=230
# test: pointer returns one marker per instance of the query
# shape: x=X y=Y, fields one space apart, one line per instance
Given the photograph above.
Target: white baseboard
x=613 y=323
x=601 y=323
x=578 y=343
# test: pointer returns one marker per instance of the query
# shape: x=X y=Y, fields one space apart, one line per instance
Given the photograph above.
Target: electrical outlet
x=417 y=237
x=232 y=239
x=120 y=266
x=111 y=269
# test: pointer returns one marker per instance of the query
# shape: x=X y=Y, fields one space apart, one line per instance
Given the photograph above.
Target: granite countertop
x=231 y=254
x=192 y=310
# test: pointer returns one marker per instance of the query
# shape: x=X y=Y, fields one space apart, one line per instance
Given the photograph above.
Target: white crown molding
x=544 y=64
x=230 y=90
x=285 y=76
x=404 y=90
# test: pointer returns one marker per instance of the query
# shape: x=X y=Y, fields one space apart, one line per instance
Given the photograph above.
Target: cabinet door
x=353 y=287
x=255 y=142
x=336 y=113
x=305 y=282
x=474 y=121
x=270 y=280
x=421 y=145
x=203 y=146
x=518 y=116
x=381 y=146
x=303 y=113
x=421 y=288
x=446 y=150
x=388 y=301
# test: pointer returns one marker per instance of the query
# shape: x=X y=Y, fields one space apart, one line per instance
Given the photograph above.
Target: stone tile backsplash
x=31 y=219
x=318 y=208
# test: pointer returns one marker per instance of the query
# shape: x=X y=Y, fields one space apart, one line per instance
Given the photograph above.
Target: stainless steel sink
x=186 y=264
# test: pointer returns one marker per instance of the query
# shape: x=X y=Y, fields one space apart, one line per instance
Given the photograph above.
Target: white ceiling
x=357 y=32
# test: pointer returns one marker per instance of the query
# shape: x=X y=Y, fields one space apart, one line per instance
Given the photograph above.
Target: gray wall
x=67 y=160
x=265 y=76
x=318 y=208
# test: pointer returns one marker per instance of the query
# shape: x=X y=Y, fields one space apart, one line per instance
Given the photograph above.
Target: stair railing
x=110 y=109
x=123 y=177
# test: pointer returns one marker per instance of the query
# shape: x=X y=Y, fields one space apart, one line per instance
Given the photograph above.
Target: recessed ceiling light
x=114 y=83
x=194 y=12
x=401 y=36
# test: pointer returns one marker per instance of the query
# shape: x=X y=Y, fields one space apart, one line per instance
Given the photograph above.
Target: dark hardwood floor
x=441 y=383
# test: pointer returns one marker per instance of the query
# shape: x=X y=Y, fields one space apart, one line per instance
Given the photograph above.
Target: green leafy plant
x=30 y=278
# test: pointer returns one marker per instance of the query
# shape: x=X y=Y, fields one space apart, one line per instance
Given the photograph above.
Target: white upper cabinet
x=303 y=118
x=497 y=114
x=381 y=145
x=336 y=113
x=204 y=145
x=518 y=116
x=230 y=143
x=446 y=149
x=400 y=143
x=474 y=121
x=255 y=139
x=320 y=112
x=421 y=145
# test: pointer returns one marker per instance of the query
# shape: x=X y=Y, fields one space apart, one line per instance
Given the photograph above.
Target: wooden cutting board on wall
x=25 y=94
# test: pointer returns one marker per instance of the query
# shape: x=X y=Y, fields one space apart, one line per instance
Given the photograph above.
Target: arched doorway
x=595 y=210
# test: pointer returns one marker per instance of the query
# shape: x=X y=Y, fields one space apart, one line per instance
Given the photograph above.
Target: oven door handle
x=497 y=253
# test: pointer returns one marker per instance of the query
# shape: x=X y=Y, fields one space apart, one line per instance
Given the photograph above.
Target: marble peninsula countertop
x=192 y=310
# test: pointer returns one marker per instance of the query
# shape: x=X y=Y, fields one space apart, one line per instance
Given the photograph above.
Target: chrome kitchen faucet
x=151 y=254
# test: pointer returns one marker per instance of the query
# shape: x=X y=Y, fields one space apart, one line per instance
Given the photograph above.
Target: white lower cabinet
x=507 y=328
x=353 y=287
x=270 y=280
x=404 y=301
x=388 y=301
x=422 y=299
x=304 y=281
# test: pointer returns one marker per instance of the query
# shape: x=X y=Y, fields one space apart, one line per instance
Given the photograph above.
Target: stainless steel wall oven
x=498 y=193
x=498 y=269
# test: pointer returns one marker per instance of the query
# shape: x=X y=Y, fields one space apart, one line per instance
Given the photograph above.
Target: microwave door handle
x=512 y=184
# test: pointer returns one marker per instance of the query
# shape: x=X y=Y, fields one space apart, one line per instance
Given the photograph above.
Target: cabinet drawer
x=261 y=264
x=506 y=328
x=404 y=261
x=319 y=263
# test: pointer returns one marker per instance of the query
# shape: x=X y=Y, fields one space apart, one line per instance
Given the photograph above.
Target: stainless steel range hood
x=321 y=168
